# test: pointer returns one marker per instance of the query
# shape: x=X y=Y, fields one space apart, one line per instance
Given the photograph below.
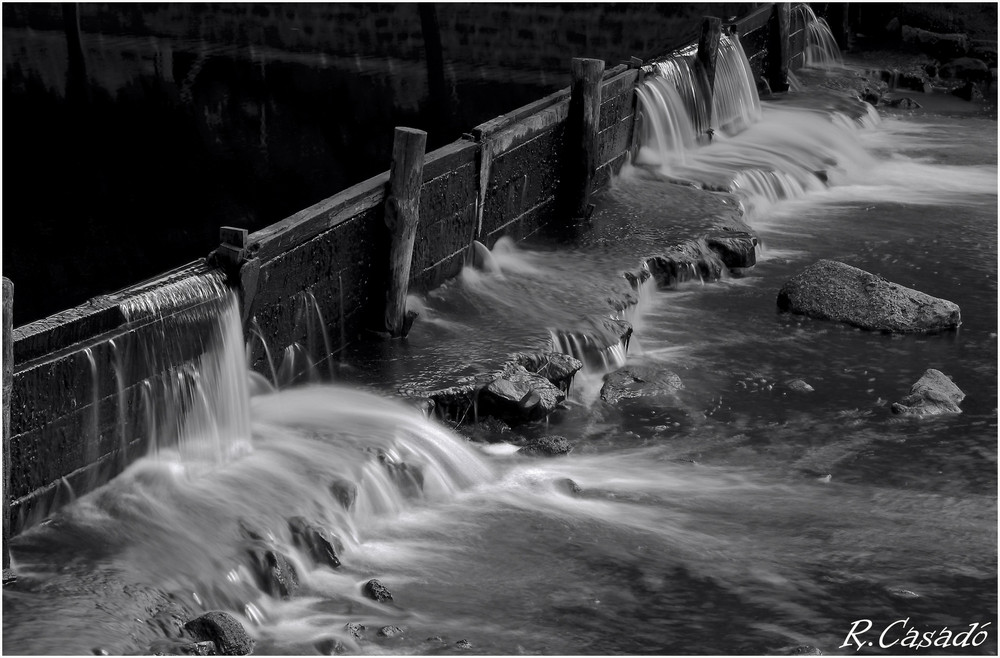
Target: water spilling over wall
x=821 y=49
x=503 y=180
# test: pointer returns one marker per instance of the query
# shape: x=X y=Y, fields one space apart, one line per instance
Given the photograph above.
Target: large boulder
x=933 y=394
x=830 y=290
x=228 y=634
x=638 y=382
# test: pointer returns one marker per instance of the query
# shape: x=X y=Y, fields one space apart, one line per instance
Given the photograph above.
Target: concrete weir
x=76 y=420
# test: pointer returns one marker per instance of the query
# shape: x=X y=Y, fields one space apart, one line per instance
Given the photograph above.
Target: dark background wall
x=124 y=157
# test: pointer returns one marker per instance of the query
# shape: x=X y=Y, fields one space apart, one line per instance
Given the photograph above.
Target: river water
x=735 y=516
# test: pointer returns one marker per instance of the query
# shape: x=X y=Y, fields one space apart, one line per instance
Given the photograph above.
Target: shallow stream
x=736 y=516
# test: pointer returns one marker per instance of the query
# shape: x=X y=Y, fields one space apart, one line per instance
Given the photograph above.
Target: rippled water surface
x=736 y=516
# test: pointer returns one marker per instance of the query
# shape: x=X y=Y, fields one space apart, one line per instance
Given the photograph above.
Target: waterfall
x=821 y=50
x=201 y=400
x=735 y=103
x=675 y=116
x=761 y=157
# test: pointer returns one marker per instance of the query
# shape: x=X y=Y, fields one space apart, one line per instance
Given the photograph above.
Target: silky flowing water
x=737 y=516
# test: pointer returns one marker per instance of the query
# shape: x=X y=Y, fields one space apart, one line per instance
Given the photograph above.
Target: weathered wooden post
x=402 y=213
x=583 y=123
x=777 y=46
x=636 y=137
x=8 y=385
x=708 y=49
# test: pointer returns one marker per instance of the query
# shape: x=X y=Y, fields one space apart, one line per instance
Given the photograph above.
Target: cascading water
x=203 y=407
x=735 y=103
x=821 y=49
x=719 y=509
x=767 y=153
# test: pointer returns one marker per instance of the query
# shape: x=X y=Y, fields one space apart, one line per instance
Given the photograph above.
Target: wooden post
x=708 y=48
x=8 y=385
x=583 y=123
x=777 y=47
x=402 y=213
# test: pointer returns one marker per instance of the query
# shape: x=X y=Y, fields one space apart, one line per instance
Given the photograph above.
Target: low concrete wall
x=326 y=264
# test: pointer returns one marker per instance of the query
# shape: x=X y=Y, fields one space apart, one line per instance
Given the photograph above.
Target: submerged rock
x=519 y=395
x=548 y=446
x=390 y=631
x=275 y=574
x=204 y=648
x=799 y=386
x=345 y=493
x=224 y=630
x=409 y=479
x=376 y=591
x=330 y=647
x=315 y=541
x=830 y=290
x=569 y=486
x=933 y=394
x=637 y=382
x=463 y=644
x=357 y=630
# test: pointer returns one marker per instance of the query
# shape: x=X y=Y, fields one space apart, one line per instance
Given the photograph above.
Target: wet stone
x=569 y=486
x=556 y=367
x=356 y=629
x=275 y=574
x=799 y=386
x=390 y=631
x=330 y=647
x=638 y=382
x=376 y=591
x=345 y=493
x=546 y=446
x=830 y=290
x=228 y=634
x=206 y=648
x=519 y=396
x=463 y=644
x=408 y=478
x=315 y=541
x=932 y=395
x=737 y=249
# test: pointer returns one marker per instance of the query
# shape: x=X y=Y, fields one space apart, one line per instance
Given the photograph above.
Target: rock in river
x=376 y=591
x=228 y=634
x=933 y=394
x=547 y=446
x=830 y=290
x=639 y=382
x=519 y=395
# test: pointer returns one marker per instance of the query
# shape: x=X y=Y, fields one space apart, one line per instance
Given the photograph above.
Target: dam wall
x=81 y=400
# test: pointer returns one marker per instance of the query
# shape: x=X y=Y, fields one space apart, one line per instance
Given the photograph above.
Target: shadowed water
x=734 y=516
